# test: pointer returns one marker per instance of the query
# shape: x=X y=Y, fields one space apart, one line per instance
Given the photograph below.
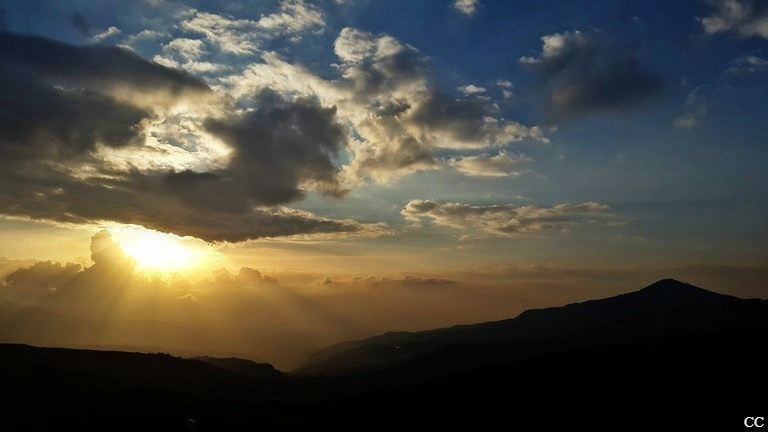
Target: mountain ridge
x=667 y=305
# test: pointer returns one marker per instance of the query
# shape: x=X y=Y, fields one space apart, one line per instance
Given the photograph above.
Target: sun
x=156 y=251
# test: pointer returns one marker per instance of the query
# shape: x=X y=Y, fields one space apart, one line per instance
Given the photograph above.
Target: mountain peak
x=669 y=283
x=674 y=288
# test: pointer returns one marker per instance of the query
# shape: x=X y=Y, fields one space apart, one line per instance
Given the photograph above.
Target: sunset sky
x=483 y=156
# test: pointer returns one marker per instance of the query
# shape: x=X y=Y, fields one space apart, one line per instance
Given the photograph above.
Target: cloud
x=584 y=74
x=234 y=36
x=506 y=88
x=473 y=122
x=111 y=303
x=59 y=119
x=297 y=140
x=466 y=7
x=244 y=36
x=384 y=94
x=106 y=34
x=65 y=108
x=505 y=220
x=146 y=35
x=105 y=252
x=383 y=281
x=485 y=165
x=189 y=49
x=185 y=54
x=748 y=64
x=70 y=286
x=411 y=116
x=470 y=89
x=747 y=18
x=294 y=16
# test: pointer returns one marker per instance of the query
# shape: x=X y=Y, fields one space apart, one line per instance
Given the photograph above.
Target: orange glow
x=156 y=251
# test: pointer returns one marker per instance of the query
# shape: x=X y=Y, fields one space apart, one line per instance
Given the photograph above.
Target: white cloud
x=146 y=35
x=354 y=46
x=485 y=165
x=748 y=64
x=294 y=16
x=466 y=7
x=506 y=88
x=471 y=89
x=165 y=61
x=189 y=49
x=230 y=35
x=244 y=36
x=106 y=34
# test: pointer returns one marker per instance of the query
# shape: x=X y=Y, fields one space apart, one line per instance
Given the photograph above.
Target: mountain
x=668 y=357
x=667 y=307
x=242 y=366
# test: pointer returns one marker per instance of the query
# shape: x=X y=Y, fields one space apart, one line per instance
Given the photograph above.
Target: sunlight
x=156 y=251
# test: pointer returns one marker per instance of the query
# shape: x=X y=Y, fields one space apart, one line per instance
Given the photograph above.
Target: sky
x=476 y=157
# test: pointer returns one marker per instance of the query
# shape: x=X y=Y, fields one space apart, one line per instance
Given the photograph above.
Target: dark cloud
x=45 y=275
x=466 y=122
x=743 y=17
x=165 y=202
x=282 y=144
x=97 y=68
x=584 y=73
x=58 y=103
x=105 y=252
x=377 y=66
x=58 y=100
x=72 y=286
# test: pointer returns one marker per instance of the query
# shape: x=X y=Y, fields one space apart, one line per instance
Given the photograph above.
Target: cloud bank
x=383 y=92
x=66 y=110
x=506 y=220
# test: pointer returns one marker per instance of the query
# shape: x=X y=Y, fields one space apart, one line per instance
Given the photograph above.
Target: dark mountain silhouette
x=667 y=307
x=243 y=366
x=668 y=357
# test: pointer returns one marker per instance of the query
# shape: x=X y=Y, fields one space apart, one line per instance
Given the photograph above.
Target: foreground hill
x=667 y=307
